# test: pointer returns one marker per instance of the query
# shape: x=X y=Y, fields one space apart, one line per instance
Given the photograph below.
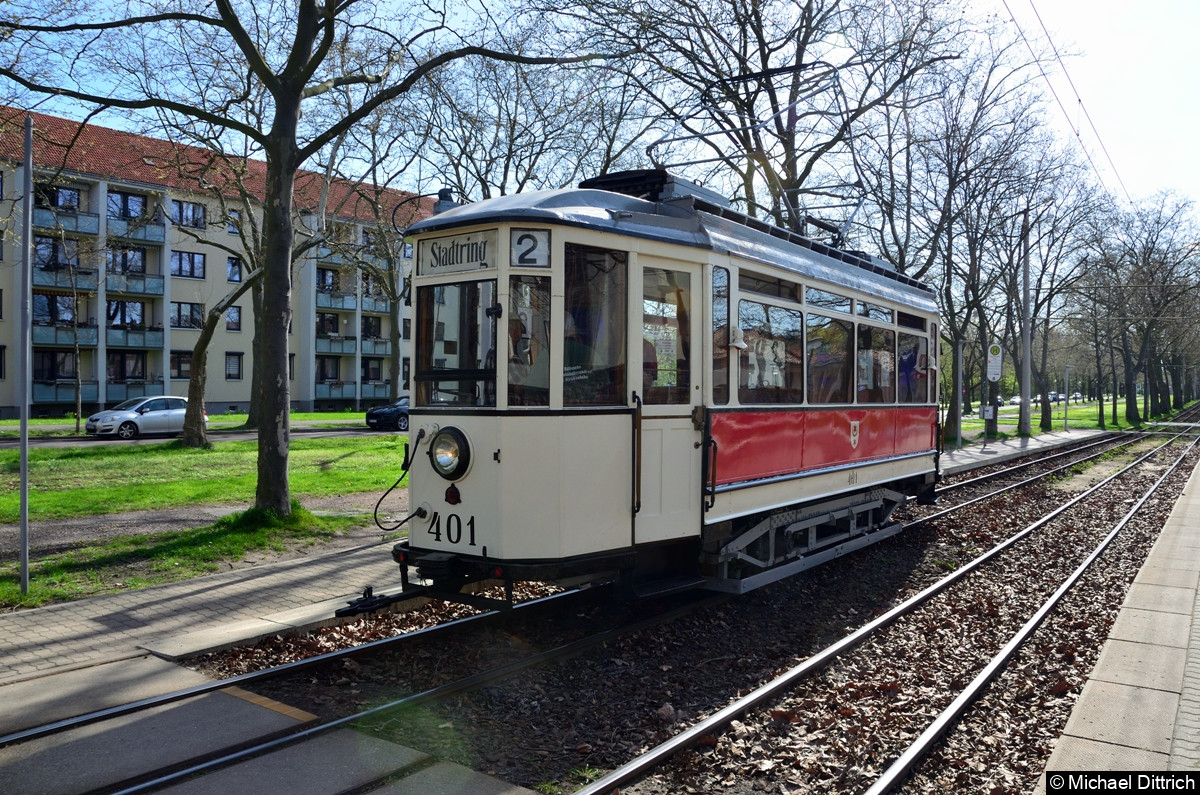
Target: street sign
x=994 y=360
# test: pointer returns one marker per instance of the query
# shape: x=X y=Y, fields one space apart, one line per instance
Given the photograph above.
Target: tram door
x=671 y=362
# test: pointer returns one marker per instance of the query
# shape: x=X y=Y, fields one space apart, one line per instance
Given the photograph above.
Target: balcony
x=333 y=390
x=376 y=303
x=64 y=334
x=376 y=390
x=133 y=338
x=374 y=346
x=337 y=344
x=137 y=229
x=330 y=300
x=64 y=220
x=119 y=391
x=65 y=277
x=63 y=391
x=139 y=283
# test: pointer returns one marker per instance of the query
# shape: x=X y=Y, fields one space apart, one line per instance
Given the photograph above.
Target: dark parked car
x=393 y=416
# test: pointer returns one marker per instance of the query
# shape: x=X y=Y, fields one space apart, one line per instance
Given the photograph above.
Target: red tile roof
x=96 y=151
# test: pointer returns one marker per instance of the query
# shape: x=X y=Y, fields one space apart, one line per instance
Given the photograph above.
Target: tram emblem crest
x=854 y=433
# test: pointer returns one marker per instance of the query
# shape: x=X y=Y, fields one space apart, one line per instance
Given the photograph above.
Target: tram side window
x=594 y=326
x=772 y=363
x=456 y=349
x=666 y=337
x=720 y=336
x=876 y=365
x=914 y=368
x=830 y=348
x=529 y=341
x=934 y=350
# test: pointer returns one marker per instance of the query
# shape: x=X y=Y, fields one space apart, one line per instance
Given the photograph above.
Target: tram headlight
x=449 y=453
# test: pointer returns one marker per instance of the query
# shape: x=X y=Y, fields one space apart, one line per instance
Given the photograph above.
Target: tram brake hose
x=408 y=459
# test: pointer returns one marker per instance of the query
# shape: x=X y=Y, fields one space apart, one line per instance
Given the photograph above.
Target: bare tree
x=218 y=67
x=771 y=91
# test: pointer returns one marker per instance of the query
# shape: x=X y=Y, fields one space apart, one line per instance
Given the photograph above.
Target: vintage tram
x=631 y=381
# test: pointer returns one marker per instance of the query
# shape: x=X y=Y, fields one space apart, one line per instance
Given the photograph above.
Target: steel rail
x=1043 y=460
x=472 y=682
x=268 y=673
x=899 y=769
x=639 y=766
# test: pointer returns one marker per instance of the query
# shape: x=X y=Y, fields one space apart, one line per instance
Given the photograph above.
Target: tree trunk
x=274 y=432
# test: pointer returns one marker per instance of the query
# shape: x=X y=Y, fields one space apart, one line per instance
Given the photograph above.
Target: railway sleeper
x=773 y=546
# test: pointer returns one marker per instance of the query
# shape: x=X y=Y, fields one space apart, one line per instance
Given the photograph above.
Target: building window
x=233 y=367
x=126 y=366
x=407 y=328
x=58 y=197
x=50 y=309
x=185 y=315
x=372 y=369
x=327 y=323
x=190 y=214
x=126 y=260
x=327 y=280
x=126 y=313
x=53 y=365
x=327 y=368
x=233 y=318
x=3 y=371
x=52 y=253
x=291 y=367
x=181 y=364
x=233 y=221
x=126 y=205
x=372 y=327
x=189 y=264
x=233 y=269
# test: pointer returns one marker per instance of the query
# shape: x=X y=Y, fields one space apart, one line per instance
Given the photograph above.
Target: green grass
x=139 y=561
x=84 y=481
x=1081 y=416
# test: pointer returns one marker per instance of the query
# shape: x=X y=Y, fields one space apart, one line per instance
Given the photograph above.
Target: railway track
x=879 y=674
x=452 y=688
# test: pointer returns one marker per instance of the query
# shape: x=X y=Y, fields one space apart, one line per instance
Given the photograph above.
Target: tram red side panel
x=762 y=444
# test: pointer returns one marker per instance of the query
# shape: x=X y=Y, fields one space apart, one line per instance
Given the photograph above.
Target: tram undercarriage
x=740 y=555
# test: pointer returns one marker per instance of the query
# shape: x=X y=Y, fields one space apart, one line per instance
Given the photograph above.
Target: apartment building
x=133 y=243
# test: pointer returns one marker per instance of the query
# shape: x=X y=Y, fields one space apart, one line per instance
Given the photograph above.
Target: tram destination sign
x=474 y=251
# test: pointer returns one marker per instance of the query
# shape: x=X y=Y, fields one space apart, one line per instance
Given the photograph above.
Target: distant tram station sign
x=995 y=359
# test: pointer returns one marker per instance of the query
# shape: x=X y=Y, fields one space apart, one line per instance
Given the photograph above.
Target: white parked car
x=140 y=415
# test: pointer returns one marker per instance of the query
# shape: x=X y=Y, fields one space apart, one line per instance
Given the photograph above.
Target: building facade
x=133 y=245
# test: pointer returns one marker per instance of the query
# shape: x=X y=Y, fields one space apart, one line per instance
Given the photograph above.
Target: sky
x=1136 y=69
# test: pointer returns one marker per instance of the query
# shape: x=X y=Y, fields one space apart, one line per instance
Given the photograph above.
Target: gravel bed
x=556 y=727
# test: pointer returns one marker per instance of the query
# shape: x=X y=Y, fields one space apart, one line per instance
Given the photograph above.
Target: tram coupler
x=369 y=602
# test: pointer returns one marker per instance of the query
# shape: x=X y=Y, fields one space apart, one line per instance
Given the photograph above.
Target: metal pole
x=958 y=360
x=1023 y=423
x=1067 y=392
x=24 y=346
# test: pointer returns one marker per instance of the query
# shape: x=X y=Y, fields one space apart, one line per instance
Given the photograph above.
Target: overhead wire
x=1074 y=128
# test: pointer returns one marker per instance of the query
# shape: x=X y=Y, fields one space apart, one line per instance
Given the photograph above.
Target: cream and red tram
x=629 y=379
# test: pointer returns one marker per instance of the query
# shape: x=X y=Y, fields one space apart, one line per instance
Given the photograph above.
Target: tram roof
x=691 y=222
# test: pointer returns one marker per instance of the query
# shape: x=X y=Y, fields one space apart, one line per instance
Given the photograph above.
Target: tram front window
x=456 y=344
